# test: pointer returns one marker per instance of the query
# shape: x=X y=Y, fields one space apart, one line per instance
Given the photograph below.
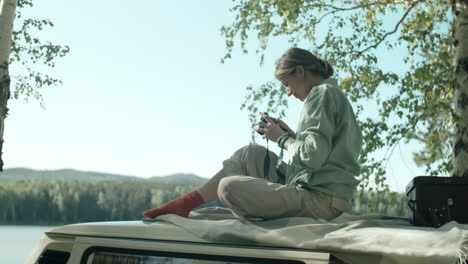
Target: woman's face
x=295 y=84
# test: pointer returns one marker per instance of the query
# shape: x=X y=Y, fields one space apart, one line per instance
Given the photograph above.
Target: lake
x=19 y=241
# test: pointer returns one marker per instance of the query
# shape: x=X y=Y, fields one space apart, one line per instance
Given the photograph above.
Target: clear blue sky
x=144 y=92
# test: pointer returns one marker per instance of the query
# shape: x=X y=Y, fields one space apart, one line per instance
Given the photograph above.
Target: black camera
x=262 y=119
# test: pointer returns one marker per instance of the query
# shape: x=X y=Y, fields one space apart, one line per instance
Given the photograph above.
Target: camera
x=262 y=119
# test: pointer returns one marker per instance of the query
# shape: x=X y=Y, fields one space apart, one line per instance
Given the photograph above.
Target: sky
x=144 y=92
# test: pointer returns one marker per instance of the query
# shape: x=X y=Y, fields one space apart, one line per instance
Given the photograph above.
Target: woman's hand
x=284 y=126
x=272 y=129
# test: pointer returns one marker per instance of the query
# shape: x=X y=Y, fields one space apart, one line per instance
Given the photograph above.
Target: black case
x=434 y=201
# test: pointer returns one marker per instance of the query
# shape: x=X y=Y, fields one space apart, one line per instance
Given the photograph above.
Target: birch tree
x=21 y=48
x=460 y=150
x=424 y=102
x=7 y=16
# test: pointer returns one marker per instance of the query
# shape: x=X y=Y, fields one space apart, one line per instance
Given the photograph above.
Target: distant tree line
x=385 y=203
x=57 y=202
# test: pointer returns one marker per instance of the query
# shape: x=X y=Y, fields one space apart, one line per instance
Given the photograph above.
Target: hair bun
x=327 y=69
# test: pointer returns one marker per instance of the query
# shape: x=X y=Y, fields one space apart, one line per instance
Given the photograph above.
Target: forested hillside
x=37 y=202
x=23 y=174
x=61 y=202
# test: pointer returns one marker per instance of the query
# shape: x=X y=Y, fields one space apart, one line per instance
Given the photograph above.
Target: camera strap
x=280 y=159
x=266 y=164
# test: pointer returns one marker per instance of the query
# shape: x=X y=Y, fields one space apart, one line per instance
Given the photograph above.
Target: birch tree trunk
x=460 y=149
x=7 y=16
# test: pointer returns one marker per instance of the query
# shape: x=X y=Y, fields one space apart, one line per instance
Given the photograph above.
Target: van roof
x=129 y=229
x=162 y=231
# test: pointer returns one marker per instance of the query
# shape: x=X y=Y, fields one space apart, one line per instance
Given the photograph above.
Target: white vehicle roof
x=159 y=236
x=129 y=229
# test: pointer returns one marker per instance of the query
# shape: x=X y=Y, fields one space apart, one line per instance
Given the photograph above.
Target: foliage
x=275 y=104
x=413 y=99
x=63 y=202
x=28 y=51
x=24 y=174
x=33 y=202
x=386 y=203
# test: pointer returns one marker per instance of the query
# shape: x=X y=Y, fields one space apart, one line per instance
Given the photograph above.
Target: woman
x=320 y=177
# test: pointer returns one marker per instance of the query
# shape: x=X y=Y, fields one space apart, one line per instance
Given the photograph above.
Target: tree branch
x=397 y=25
x=390 y=149
x=336 y=9
x=340 y=9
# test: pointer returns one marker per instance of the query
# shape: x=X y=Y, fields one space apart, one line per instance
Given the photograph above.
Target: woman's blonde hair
x=294 y=57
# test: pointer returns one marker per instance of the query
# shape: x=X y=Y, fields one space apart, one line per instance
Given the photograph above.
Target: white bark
x=7 y=16
x=460 y=150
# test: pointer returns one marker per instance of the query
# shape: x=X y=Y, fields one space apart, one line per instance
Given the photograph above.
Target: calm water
x=17 y=242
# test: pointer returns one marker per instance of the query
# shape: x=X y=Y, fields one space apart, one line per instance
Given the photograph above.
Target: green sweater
x=324 y=155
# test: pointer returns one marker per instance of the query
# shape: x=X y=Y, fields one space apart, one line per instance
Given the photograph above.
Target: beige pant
x=244 y=190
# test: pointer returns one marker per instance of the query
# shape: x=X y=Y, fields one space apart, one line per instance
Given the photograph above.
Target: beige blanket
x=355 y=239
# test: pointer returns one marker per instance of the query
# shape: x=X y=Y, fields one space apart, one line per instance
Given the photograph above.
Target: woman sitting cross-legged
x=319 y=179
